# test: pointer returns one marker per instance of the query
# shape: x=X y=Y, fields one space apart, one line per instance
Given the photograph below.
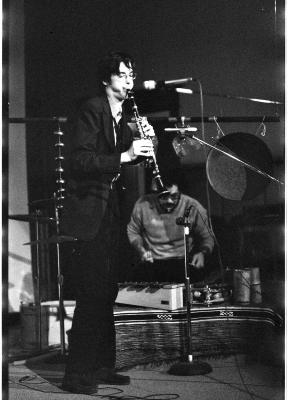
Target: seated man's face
x=170 y=200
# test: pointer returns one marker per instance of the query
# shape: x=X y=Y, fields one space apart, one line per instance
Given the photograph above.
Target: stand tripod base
x=188 y=368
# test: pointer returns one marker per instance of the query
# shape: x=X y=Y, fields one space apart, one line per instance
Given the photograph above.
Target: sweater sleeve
x=134 y=228
x=200 y=230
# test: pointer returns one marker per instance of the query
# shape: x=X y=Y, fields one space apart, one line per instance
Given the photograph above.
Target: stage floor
x=256 y=374
x=233 y=377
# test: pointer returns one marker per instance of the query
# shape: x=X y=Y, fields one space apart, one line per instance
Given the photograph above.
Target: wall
x=20 y=285
x=235 y=48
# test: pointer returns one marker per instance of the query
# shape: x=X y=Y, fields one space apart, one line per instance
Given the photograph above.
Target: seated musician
x=157 y=234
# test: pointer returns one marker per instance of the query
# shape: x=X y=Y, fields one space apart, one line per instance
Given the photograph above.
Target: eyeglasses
x=123 y=75
x=169 y=196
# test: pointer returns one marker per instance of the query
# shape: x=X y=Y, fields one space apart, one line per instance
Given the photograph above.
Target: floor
x=233 y=377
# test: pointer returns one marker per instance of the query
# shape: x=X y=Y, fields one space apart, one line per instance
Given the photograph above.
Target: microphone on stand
x=151 y=84
x=187 y=211
x=183 y=90
x=182 y=130
x=181 y=220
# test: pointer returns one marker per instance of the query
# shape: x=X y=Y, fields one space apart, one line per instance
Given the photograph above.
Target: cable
x=111 y=396
x=210 y=229
x=241 y=378
x=207 y=186
x=252 y=396
x=262 y=129
x=219 y=130
x=211 y=232
x=234 y=385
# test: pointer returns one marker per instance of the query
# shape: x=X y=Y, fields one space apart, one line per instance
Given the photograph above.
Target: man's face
x=170 y=200
x=121 y=83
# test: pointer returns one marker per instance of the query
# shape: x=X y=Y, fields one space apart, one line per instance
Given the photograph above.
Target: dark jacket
x=94 y=164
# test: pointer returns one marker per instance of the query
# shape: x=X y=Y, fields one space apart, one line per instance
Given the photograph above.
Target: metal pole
x=60 y=285
x=188 y=291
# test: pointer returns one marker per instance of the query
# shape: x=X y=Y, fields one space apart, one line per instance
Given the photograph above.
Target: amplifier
x=50 y=324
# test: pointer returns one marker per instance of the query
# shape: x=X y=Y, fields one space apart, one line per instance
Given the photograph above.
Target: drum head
x=230 y=178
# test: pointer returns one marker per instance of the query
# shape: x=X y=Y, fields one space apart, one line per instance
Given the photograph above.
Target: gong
x=232 y=179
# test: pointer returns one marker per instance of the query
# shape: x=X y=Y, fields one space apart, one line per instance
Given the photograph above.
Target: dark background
x=235 y=48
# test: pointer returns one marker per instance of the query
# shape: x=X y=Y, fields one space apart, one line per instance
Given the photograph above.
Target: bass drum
x=230 y=178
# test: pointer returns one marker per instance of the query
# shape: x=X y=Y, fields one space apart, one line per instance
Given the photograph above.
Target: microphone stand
x=60 y=286
x=58 y=196
x=37 y=281
x=61 y=357
x=189 y=367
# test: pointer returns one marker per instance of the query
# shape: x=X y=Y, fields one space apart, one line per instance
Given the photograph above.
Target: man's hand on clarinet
x=139 y=147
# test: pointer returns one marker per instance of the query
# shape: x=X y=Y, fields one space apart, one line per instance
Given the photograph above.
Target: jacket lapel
x=108 y=125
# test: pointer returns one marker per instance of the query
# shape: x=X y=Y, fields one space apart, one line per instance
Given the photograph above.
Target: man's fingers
x=143 y=147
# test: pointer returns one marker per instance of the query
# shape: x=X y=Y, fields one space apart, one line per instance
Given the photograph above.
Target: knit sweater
x=156 y=230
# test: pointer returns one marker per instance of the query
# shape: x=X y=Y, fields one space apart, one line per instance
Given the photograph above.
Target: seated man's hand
x=147 y=256
x=198 y=260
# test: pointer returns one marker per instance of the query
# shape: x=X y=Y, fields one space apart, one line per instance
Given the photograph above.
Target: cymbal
x=54 y=239
x=31 y=218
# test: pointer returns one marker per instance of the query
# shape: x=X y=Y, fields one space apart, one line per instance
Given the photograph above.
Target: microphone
x=182 y=220
x=183 y=130
x=151 y=85
x=187 y=211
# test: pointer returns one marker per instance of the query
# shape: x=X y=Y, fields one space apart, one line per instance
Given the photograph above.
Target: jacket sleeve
x=90 y=154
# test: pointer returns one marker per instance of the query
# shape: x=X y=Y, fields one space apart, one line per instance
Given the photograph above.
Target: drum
x=210 y=294
x=242 y=285
x=256 y=290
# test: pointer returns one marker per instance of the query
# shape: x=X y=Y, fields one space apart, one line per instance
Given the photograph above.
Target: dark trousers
x=92 y=337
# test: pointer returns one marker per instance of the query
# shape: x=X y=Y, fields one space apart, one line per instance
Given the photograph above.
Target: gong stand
x=186 y=131
x=189 y=367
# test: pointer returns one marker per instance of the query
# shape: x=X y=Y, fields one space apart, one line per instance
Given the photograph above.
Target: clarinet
x=143 y=135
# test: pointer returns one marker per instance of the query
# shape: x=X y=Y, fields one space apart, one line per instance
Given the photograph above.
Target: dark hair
x=173 y=177
x=109 y=65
